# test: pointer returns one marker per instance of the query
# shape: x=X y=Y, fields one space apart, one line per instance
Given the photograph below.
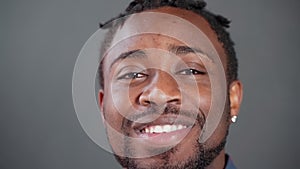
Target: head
x=157 y=76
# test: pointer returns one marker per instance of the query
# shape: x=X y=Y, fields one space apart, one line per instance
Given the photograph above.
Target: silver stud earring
x=233 y=119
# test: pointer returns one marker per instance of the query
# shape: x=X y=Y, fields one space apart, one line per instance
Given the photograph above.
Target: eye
x=191 y=72
x=133 y=75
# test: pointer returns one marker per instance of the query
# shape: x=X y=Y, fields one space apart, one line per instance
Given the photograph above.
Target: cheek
x=112 y=107
x=199 y=96
x=205 y=101
x=205 y=93
x=118 y=100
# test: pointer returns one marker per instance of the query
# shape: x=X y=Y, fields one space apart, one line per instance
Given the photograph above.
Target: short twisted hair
x=217 y=22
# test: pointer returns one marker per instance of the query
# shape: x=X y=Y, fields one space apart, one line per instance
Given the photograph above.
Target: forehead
x=163 y=27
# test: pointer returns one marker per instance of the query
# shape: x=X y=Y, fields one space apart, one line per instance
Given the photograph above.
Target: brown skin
x=139 y=92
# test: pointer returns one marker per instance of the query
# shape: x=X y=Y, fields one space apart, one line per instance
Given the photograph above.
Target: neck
x=218 y=162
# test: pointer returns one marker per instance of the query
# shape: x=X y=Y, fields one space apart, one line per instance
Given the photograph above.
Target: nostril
x=174 y=101
x=157 y=97
x=144 y=100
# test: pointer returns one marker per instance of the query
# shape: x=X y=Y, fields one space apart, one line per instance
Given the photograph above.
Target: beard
x=201 y=158
x=201 y=154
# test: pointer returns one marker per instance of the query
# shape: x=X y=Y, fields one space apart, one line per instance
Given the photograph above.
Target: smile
x=162 y=128
x=164 y=131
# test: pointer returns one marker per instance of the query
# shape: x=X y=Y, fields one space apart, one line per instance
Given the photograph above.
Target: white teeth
x=167 y=128
x=158 y=129
x=173 y=128
x=163 y=128
x=151 y=130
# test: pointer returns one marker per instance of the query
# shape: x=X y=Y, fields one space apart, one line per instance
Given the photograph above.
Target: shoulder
x=229 y=163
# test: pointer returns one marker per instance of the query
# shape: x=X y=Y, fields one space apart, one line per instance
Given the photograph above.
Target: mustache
x=169 y=109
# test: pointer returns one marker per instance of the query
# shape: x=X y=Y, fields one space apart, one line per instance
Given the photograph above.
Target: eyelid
x=191 y=69
x=131 y=73
x=190 y=65
x=128 y=69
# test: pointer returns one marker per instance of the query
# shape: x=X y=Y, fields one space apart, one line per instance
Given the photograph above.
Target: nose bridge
x=166 y=83
x=162 y=89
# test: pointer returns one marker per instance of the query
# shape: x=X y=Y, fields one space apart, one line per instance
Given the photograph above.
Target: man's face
x=158 y=93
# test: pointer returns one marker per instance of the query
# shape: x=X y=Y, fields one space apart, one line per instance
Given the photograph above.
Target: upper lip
x=164 y=120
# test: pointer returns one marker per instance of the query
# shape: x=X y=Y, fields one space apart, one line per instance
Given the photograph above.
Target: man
x=164 y=75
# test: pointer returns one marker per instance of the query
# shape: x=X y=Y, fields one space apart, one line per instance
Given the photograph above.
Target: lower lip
x=165 y=139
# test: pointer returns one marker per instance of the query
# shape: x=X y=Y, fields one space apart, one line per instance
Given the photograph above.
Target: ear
x=101 y=100
x=236 y=95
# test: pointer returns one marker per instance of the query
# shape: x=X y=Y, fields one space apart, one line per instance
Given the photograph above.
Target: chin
x=189 y=154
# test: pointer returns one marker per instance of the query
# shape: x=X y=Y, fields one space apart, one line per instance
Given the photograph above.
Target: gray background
x=39 y=43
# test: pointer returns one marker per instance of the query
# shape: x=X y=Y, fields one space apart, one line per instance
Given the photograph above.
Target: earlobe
x=236 y=95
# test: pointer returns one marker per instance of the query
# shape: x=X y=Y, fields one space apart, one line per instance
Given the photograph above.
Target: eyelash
x=191 y=72
x=132 y=75
x=136 y=75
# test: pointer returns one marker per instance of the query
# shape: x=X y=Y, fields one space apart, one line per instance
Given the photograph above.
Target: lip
x=164 y=138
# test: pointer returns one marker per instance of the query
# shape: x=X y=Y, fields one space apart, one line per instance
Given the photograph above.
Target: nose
x=161 y=89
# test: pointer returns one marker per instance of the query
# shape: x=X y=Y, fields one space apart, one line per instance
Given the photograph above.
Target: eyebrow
x=178 y=50
x=184 y=50
x=138 y=53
